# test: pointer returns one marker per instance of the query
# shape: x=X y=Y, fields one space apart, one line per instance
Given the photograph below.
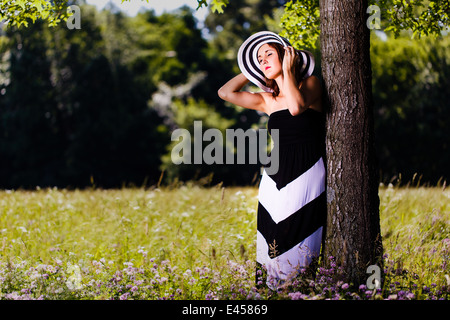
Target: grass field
x=191 y=242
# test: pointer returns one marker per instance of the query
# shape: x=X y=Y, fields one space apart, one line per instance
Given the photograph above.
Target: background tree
x=85 y=110
x=353 y=234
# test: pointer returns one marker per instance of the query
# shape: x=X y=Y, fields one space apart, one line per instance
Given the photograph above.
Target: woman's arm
x=299 y=97
x=231 y=92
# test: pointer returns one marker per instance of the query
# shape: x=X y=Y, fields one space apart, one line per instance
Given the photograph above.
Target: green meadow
x=193 y=242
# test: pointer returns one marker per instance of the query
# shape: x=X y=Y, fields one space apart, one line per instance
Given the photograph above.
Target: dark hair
x=271 y=83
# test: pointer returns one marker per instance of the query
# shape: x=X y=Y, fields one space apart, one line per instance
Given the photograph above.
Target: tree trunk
x=353 y=223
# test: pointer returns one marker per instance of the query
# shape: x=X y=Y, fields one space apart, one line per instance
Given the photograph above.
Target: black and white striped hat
x=248 y=57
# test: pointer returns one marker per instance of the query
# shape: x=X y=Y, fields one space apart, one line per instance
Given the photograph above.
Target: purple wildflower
x=410 y=295
x=124 y=296
x=297 y=296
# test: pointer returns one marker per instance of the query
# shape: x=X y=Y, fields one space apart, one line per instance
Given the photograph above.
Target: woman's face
x=269 y=61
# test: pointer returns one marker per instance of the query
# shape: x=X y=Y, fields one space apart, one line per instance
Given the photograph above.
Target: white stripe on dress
x=294 y=195
x=287 y=264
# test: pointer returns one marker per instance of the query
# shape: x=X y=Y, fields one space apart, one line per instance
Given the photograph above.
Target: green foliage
x=301 y=23
x=239 y=21
x=410 y=81
x=301 y=19
x=184 y=115
x=22 y=12
x=216 y=5
x=84 y=113
x=421 y=17
x=92 y=99
x=171 y=45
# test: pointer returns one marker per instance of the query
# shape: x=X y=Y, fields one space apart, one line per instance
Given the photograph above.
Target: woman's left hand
x=288 y=60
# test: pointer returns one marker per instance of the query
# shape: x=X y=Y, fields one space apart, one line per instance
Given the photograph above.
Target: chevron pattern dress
x=292 y=202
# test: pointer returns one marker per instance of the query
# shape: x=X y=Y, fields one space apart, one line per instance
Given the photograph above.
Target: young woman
x=292 y=202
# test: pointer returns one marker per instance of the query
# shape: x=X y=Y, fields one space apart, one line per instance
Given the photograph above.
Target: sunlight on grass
x=415 y=224
x=193 y=243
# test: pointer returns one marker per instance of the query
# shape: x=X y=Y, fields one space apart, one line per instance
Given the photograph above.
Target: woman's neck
x=280 y=82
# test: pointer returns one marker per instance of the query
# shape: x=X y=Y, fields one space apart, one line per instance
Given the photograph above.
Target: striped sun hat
x=248 y=57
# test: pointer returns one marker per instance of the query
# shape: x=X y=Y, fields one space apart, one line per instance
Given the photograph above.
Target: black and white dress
x=292 y=202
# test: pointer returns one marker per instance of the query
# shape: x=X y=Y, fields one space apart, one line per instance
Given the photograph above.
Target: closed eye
x=269 y=54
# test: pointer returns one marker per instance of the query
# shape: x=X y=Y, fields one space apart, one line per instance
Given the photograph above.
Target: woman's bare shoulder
x=268 y=101
x=313 y=87
x=312 y=82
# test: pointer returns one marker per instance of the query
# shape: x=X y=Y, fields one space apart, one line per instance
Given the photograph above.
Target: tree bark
x=353 y=222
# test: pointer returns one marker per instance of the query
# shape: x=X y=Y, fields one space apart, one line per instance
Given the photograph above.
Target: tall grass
x=192 y=242
x=415 y=224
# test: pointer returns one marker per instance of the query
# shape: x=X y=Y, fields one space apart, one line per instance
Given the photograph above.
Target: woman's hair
x=271 y=83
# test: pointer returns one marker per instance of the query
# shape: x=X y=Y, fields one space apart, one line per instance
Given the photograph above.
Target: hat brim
x=248 y=58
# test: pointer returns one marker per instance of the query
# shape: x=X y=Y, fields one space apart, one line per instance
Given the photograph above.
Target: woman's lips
x=267 y=68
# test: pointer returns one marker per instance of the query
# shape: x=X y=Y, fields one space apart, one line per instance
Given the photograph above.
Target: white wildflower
x=23 y=229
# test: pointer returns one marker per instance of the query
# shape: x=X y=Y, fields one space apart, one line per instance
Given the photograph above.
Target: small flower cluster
x=155 y=279
x=99 y=279
x=327 y=284
x=18 y=281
